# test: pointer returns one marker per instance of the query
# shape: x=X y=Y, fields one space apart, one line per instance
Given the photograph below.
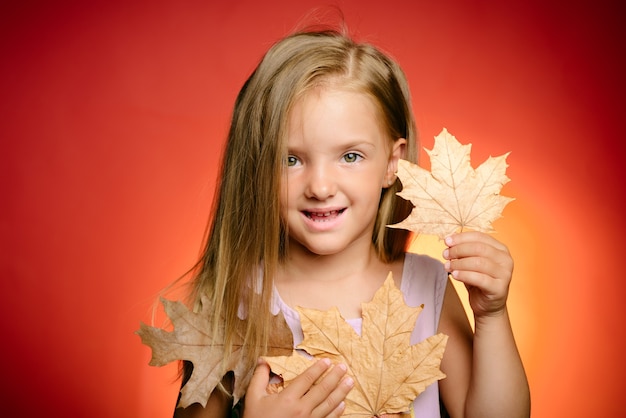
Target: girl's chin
x=316 y=249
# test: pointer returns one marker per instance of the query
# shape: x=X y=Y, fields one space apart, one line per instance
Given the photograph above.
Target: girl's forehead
x=335 y=92
x=329 y=98
x=337 y=113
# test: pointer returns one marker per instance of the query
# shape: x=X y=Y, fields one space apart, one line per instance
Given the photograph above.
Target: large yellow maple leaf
x=193 y=341
x=452 y=196
x=388 y=371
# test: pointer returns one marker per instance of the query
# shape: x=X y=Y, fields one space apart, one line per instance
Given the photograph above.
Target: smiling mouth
x=323 y=216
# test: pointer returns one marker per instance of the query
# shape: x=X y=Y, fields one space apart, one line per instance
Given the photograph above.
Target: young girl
x=307 y=188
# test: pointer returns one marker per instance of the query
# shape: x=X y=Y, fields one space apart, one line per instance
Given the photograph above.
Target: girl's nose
x=321 y=184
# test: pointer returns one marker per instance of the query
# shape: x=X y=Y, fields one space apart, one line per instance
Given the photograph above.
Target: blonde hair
x=247 y=239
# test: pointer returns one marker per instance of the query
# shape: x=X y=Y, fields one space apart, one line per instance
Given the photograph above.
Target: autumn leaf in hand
x=192 y=340
x=389 y=372
x=452 y=196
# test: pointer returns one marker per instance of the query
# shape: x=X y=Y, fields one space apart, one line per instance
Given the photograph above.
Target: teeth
x=322 y=213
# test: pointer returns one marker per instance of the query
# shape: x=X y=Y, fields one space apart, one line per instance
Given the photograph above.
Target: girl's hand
x=484 y=265
x=303 y=397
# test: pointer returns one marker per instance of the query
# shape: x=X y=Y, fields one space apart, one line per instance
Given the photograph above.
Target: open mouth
x=323 y=216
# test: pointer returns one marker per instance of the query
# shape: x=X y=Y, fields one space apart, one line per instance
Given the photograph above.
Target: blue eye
x=351 y=157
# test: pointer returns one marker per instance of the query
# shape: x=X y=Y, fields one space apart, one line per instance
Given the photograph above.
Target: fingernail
x=348 y=381
x=446 y=266
x=449 y=241
x=342 y=367
x=446 y=253
x=325 y=361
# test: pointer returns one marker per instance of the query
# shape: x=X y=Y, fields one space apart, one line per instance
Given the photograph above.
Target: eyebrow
x=356 y=143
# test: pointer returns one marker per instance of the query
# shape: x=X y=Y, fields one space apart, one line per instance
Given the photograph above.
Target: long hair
x=247 y=238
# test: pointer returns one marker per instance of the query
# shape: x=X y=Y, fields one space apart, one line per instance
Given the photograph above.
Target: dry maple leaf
x=452 y=196
x=192 y=340
x=389 y=372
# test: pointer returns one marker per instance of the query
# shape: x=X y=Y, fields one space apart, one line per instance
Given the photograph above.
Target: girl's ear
x=397 y=152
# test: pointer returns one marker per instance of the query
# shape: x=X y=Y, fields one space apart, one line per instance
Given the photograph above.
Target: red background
x=112 y=121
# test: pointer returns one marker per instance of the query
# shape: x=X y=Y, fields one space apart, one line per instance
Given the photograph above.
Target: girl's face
x=339 y=160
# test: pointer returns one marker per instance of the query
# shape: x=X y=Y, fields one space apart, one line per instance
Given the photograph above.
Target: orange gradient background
x=113 y=120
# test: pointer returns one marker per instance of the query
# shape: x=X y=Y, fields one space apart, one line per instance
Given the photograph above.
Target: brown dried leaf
x=389 y=373
x=453 y=196
x=192 y=340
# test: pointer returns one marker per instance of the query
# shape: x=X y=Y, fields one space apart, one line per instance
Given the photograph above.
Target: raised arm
x=486 y=375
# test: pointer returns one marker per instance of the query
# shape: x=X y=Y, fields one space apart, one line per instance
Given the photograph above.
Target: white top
x=423 y=282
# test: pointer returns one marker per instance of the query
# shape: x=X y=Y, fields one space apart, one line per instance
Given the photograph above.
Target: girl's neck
x=354 y=260
x=344 y=280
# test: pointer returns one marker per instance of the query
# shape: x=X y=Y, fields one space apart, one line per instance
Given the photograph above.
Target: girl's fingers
x=303 y=383
x=328 y=394
x=484 y=265
x=474 y=248
x=317 y=392
x=324 y=396
x=480 y=265
x=260 y=379
x=478 y=252
x=473 y=236
x=478 y=280
x=338 y=411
